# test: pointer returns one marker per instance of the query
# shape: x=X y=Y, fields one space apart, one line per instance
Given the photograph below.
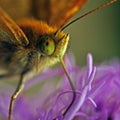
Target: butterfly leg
x=15 y=94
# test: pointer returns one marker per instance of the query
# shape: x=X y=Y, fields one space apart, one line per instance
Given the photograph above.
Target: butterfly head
x=54 y=44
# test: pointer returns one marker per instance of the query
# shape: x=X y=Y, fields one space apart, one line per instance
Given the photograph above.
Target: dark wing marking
x=56 y=12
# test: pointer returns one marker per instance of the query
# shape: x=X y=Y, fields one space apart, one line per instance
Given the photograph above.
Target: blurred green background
x=97 y=33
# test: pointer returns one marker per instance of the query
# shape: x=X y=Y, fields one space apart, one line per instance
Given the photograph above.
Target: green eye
x=47 y=45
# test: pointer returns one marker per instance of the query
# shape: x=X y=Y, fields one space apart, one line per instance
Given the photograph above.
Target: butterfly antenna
x=71 y=84
x=95 y=9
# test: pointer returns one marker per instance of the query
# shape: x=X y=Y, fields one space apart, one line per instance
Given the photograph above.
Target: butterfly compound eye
x=46 y=45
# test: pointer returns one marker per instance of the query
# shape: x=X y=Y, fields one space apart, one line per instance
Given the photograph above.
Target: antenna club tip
x=112 y=1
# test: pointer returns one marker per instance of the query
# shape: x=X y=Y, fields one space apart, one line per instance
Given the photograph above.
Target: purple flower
x=47 y=96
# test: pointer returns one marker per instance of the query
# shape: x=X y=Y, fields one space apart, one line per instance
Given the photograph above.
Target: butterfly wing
x=10 y=31
x=56 y=13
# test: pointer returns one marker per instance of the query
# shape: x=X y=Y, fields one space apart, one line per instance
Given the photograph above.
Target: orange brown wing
x=56 y=13
x=9 y=29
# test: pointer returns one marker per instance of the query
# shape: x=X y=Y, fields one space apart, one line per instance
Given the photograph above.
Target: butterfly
x=34 y=44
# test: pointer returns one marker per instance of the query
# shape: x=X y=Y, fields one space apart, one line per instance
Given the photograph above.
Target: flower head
x=45 y=98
